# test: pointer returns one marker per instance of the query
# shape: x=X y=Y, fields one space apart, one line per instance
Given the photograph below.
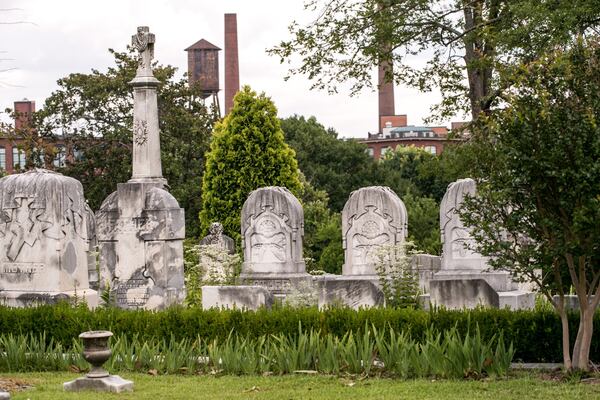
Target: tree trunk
x=478 y=53
x=581 y=360
x=560 y=307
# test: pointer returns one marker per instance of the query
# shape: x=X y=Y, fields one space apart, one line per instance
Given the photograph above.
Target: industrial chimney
x=232 y=72
x=23 y=110
x=386 y=91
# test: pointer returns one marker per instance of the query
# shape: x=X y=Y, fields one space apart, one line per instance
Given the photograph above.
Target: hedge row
x=536 y=335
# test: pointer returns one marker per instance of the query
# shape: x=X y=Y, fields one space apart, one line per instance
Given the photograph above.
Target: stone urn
x=96 y=351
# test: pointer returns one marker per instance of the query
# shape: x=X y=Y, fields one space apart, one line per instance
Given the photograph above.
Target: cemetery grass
x=520 y=384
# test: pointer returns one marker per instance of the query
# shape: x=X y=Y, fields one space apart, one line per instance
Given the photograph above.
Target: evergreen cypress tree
x=247 y=152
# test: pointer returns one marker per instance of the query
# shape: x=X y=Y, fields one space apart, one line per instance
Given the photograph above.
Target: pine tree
x=247 y=152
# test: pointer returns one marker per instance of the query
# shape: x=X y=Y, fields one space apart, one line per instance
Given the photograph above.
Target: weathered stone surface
x=456 y=237
x=112 y=383
x=242 y=297
x=140 y=233
x=46 y=234
x=216 y=238
x=517 y=300
x=216 y=251
x=425 y=266
x=350 y=292
x=4 y=395
x=141 y=226
x=463 y=293
x=467 y=268
x=272 y=232
x=372 y=217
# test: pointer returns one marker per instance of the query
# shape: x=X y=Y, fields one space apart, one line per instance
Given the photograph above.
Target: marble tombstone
x=465 y=279
x=373 y=217
x=216 y=250
x=141 y=227
x=272 y=232
x=46 y=237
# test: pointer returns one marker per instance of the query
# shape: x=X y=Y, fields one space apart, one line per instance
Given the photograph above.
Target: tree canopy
x=247 y=152
x=462 y=42
x=536 y=164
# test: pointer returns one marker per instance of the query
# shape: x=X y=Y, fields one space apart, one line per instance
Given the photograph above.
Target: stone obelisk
x=140 y=227
x=146 y=139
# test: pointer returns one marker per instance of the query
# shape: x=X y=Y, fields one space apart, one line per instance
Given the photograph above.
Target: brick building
x=12 y=158
x=395 y=132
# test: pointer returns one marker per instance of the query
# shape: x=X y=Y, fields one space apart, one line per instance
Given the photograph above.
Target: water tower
x=203 y=68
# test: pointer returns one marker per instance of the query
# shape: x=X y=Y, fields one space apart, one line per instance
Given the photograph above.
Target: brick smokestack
x=23 y=110
x=232 y=71
x=386 y=90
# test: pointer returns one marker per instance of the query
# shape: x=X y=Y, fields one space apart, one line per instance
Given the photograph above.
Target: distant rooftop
x=202 y=44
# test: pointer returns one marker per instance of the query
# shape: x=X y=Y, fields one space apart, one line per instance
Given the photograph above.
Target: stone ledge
x=112 y=383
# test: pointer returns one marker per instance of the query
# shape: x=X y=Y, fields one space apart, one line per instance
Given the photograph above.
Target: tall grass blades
x=372 y=351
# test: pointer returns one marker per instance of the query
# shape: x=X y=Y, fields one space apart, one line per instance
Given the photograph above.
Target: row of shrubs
x=381 y=352
x=535 y=334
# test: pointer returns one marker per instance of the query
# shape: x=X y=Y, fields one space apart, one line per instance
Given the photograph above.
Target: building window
x=370 y=151
x=385 y=150
x=59 y=158
x=18 y=158
x=431 y=149
x=2 y=158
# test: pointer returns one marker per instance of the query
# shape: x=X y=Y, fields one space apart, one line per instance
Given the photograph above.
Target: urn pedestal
x=97 y=352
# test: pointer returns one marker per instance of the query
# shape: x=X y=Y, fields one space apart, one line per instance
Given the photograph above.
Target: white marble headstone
x=46 y=232
x=373 y=217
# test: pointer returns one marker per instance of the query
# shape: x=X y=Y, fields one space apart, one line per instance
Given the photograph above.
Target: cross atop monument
x=143 y=41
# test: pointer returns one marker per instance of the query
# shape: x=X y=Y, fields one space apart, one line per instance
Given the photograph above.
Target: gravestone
x=141 y=226
x=464 y=266
x=272 y=232
x=240 y=297
x=216 y=250
x=216 y=238
x=46 y=235
x=373 y=217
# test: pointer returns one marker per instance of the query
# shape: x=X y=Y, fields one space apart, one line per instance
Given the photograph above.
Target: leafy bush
x=398 y=280
x=536 y=335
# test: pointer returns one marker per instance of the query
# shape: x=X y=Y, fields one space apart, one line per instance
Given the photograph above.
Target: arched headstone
x=272 y=232
x=46 y=235
x=373 y=217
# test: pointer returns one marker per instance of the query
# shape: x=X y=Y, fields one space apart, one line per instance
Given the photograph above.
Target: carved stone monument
x=141 y=226
x=464 y=266
x=373 y=217
x=216 y=238
x=46 y=231
x=216 y=256
x=272 y=232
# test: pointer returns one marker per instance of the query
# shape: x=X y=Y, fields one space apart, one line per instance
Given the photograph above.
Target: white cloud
x=74 y=36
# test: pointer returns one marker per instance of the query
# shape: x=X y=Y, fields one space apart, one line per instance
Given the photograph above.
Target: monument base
x=17 y=298
x=500 y=281
x=280 y=284
x=471 y=293
x=241 y=297
x=111 y=383
x=349 y=291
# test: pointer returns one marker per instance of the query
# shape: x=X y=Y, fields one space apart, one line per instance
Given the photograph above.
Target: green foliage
x=452 y=357
x=459 y=44
x=535 y=335
x=336 y=166
x=397 y=278
x=536 y=163
x=93 y=113
x=322 y=232
x=247 y=152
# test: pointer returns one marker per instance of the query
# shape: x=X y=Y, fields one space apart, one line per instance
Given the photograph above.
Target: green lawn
x=523 y=386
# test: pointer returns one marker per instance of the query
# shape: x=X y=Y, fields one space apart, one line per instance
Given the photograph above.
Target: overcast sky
x=65 y=36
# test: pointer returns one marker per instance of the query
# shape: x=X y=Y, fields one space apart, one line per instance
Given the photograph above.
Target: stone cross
x=146 y=137
x=143 y=41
